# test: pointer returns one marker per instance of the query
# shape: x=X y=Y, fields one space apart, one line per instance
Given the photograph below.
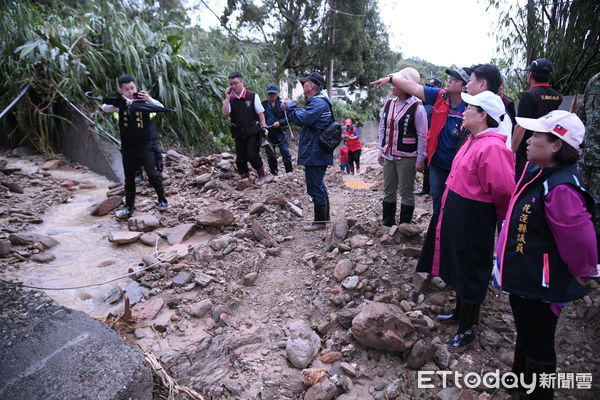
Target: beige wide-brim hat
x=409 y=73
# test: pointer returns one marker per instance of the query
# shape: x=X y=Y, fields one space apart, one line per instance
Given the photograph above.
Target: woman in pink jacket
x=459 y=245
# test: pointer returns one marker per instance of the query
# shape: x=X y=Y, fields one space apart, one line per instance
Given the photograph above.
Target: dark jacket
x=314 y=118
x=530 y=264
x=272 y=115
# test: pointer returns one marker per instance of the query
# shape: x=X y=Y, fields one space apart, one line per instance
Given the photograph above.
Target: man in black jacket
x=247 y=125
x=277 y=123
x=537 y=101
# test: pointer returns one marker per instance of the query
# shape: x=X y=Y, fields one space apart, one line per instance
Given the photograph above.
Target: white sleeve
x=258 y=107
x=109 y=108
x=156 y=103
x=505 y=127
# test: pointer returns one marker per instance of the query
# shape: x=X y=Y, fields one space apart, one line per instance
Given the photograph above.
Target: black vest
x=243 y=116
x=406 y=129
x=532 y=266
x=134 y=127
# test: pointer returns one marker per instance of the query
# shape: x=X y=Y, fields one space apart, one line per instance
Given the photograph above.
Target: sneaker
x=261 y=180
x=462 y=339
x=139 y=177
x=162 y=206
x=124 y=213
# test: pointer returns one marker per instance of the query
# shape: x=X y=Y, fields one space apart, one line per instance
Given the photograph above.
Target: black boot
x=320 y=219
x=534 y=367
x=389 y=214
x=127 y=211
x=273 y=166
x=288 y=167
x=452 y=317
x=327 y=216
x=467 y=325
x=406 y=213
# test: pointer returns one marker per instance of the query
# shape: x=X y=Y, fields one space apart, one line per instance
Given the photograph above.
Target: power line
x=345 y=13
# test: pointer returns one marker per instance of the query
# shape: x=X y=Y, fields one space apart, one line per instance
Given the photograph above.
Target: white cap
x=491 y=103
x=567 y=126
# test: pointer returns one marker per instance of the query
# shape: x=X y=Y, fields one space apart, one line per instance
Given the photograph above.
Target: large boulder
x=53 y=352
x=383 y=326
x=180 y=233
x=143 y=223
x=30 y=238
x=216 y=217
x=337 y=233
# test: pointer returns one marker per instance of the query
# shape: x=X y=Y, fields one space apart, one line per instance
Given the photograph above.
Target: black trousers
x=133 y=157
x=354 y=158
x=536 y=326
x=247 y=150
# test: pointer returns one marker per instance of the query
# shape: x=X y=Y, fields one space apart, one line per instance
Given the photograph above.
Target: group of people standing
x=547 y=242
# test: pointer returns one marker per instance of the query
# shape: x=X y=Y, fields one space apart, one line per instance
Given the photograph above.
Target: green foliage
x=79 y=50
x=565 y=32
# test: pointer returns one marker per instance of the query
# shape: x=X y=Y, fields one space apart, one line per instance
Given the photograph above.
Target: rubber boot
x=262 y=178
x=127 y=211
x=467 y=325
x=406 y=213
x=538 y=368
x=452 y=317
x=288 y=167
x=320 y=218
x=389 y=214
x=327 y=216
x=273 y=167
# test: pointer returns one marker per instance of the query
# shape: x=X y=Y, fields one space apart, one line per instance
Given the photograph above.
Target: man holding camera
x=247 y=126
x=136 y=143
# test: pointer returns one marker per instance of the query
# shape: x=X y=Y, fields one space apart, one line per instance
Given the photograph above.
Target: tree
x=309 y=34
x=566 y=32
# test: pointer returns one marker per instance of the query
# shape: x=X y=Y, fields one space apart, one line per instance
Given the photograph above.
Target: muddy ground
x=256 y=308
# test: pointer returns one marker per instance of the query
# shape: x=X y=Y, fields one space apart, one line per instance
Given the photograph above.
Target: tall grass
x=76 y=50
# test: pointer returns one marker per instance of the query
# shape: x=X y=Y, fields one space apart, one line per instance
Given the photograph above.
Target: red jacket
x=344 y=154
x=353 y=144
x=438 y=120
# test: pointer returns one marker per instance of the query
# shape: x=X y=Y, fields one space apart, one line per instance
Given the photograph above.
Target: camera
x=136 y=95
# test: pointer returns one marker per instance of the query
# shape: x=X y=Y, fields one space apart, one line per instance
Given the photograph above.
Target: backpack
x=331 y=137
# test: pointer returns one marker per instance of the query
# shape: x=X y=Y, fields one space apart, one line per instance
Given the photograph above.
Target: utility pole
x=331 y=52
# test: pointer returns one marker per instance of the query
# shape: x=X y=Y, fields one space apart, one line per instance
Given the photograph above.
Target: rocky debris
x=420 y=354
x=350 y=282
x=107 y=206
x=410 y=230
x=51 y=164
x=203 y=280
x=359 y=241
x=410 y=251
x=337 y=233
x=43 y=258
x=259 y=232
x=5 y=246
x=257 y=208
x=489 y=338
x=143 y=223
x=384 y=327
x=173 y=155
x=324 y=390
x=151 y=239
x=182 y=278
x=12 y=186
x=302 y=346
x=123 y=237
x=343 y=269
x=180 y=233
x=216 y=217
x=249 y=278
x=32 y=238
x=135 y=292
x=113 y=296
x=201 y=308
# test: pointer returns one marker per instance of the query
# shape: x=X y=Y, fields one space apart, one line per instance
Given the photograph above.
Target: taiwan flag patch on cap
x=560 y=130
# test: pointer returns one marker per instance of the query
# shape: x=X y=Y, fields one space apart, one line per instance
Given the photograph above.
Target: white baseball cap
x=567 y=126
x=490 y=102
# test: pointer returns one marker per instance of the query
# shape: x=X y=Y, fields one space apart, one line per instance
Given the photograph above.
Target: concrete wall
x=79 y=142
